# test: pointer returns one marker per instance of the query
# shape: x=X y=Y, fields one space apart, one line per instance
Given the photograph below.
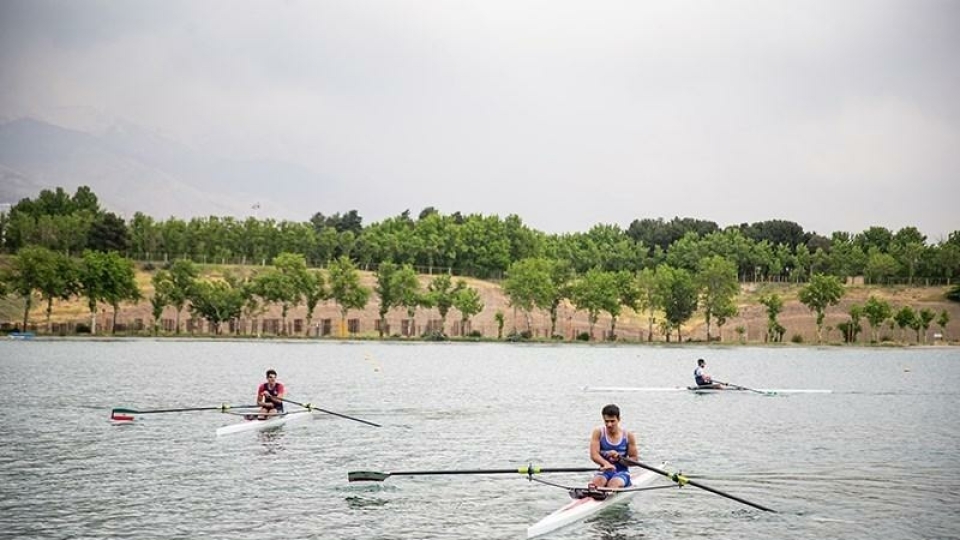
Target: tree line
x=690 y=266
x=482 y=246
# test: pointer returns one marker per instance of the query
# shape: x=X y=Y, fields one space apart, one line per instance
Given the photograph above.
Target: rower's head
x=611 y=415
x=701 y=362
x=271 y=375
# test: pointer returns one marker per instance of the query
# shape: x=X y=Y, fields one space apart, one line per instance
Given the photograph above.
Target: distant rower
x=700 y=375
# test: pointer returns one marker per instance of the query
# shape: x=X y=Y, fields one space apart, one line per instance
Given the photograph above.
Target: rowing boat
x=700 y=390
x=585 y=507
x=252 y=422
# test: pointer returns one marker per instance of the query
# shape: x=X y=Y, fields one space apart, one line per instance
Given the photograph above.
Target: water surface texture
x=876 y=458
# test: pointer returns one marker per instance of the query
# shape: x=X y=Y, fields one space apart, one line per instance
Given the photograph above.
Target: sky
x=836 y=115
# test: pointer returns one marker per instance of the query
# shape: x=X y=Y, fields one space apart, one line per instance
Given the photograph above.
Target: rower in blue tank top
x=608 y=444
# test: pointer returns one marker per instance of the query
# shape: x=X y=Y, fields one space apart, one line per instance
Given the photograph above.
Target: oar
x=683 y=480
x=372 y=476
x=222 y=408
x=310 y=407
x=761 y=392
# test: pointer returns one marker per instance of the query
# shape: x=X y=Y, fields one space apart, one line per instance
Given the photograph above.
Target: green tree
x=177 y=286
x=345 y=289
x=441 y=293
x=647 y=299
x=217 y=301
x=906 y=317
x=397 y=286
x=718 y=284
x=822 y=292
x=678 y=293
x=594 y=292
x=314 y=290
x=109 y=278
x=926 y=317
x=851 y=329
x=162 y=282
x=468 y=302
x=876 y=311
x=498 y=317
x=942 y=319
x=774 y=305
x=529 y=284
x=29 y=270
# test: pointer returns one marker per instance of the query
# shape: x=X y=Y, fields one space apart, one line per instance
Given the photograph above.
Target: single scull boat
x=252 y=422
x=582 y=508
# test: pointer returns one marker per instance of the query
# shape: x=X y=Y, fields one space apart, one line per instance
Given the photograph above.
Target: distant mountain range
x=131 y=169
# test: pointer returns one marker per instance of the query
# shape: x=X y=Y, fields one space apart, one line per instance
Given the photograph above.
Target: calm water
x=877 y=458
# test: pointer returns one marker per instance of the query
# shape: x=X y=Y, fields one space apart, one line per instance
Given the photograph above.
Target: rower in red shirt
x=270 y=395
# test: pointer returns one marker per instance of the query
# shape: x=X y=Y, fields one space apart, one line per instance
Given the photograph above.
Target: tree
x=395 y=286
x=182 y=276
x=822 y=291
x=597 y=291
x=498 y=316
x=774 y=305
x=718 y=284
x=678 y=293
x=283 y=284
x=852 y=328
x=217 y=301
x=345 y=289
x=942 y=321
x=647 y=299
x=926 y=316
x=441 y=294
x=529 y=284
x=313 y=288
x=159 y=301
x=906 y=317
x=876 y=311
x=468 y=302
x=109 y=278
x=30 y=270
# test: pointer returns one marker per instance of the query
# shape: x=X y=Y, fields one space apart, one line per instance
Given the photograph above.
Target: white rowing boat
x=252 y=422
x=700 y=390
x=581 y=509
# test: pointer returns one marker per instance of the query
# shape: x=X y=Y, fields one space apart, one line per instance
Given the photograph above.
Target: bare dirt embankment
x=752 y=318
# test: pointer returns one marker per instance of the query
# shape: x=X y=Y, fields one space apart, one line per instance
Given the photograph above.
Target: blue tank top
x=621 y=447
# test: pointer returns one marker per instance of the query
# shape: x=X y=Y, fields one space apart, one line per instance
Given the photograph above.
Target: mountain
x=133 y=169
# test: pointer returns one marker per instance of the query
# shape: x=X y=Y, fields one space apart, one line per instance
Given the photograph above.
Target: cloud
x=565 y=113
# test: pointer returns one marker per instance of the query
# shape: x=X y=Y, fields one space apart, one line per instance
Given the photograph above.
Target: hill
x=752 y=319
x=133 y=169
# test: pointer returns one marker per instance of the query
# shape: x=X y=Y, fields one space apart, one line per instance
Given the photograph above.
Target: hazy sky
x=838 y=115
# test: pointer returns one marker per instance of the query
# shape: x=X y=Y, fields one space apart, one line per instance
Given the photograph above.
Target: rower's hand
x=607 y=467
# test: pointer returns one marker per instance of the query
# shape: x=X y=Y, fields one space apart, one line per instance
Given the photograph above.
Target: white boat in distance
x=703 y=390
x=252 y=422
x=581 y=509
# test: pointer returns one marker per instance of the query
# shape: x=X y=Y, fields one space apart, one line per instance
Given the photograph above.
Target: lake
x=876 y=457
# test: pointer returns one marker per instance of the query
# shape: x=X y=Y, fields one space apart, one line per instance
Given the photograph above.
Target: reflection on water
x=874 y=458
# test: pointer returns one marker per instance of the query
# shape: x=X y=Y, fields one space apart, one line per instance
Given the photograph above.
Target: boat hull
x=580 y=509
x=261 y=425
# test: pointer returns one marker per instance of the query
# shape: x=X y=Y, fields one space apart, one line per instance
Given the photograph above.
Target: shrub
x=583 y=336
x=796 y=338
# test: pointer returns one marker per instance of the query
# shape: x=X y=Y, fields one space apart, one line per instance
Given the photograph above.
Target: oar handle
x=683 y=480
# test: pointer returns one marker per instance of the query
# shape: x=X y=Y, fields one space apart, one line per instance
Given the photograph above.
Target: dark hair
x=611 y=410
x=701 y=361
x=271 y=372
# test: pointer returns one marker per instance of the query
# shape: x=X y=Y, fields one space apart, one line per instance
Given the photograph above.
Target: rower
x=700 y=375
x=270 y=395
x=608 y=443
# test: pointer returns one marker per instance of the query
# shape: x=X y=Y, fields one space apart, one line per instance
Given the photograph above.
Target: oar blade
x=367 y=476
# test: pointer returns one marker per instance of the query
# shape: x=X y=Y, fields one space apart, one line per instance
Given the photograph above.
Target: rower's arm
x=632 y=451
x=595 y=454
